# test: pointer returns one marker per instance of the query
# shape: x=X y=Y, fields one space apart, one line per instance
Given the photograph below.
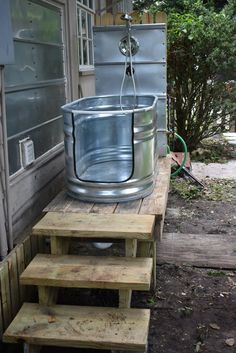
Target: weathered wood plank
x=82 y=327
x=47 y=295
x=34 y=246
x=64 y=203
x=126 y=295
x=88 y=272
x=20 y=267
x=14 y=282
x=109 y=19
x=94 y=226
x=131 y=207
x=59 y=246
x=5 y=294
x=156 y=202
x=1 y=315
x=56 y=204
x=79 y=206
x=27 y=250
x=104 y=208
x=201 y=250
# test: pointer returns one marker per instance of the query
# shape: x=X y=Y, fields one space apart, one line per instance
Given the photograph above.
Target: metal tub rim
x=67 y=107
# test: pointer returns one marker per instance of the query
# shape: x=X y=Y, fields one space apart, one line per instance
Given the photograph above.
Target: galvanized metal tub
x=110 y=147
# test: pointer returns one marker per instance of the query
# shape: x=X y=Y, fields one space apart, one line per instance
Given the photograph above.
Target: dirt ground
x=192 y=310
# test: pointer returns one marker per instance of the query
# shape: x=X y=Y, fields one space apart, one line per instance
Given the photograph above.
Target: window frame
x=88 y=37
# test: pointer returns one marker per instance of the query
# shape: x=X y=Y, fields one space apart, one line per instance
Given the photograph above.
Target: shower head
x=126 y=17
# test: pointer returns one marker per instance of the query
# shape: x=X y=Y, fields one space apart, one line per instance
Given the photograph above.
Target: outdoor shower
x=112 y=140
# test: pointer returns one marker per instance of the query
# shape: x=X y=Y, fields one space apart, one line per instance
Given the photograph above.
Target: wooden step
x=116 y=226
x=80 y=327
x=89 y=272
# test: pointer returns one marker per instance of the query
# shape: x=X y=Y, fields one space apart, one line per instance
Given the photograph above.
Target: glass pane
x=85 y=52
x=34 y=63
x=89 y=26
x=90 y=53
x=31 y=20
x=80 y=52
x=79 y=21
x=44 y=139
x=91 y=4
x=28 y=108
x=83 y=19
x=103 y=147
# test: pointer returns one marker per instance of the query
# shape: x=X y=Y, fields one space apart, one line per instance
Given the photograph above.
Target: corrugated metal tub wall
x=110 y=152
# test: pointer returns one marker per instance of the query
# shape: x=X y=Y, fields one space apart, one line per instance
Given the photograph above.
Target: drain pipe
x=8 y=213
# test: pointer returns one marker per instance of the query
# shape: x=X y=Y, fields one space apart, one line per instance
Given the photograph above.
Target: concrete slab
x=229 y=134
x=215 y=170
x=230 y=137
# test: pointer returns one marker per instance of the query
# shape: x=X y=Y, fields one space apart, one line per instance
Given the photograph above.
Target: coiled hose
x=178 y=170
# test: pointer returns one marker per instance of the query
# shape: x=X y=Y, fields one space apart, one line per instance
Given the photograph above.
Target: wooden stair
x=120 y=328
x=89 y=272
x=80 y=327
x=112 y=226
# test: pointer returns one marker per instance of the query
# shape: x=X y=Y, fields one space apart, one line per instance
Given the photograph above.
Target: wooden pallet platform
x=200 y=250
x=89 y=272
x=81 y=327
x=94 y=226
x=154 y=204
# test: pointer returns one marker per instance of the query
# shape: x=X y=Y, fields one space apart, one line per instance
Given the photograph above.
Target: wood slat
x=1 y=316
x=202 y=250
x=82 y=327
x=125 y=295
x=88 y=272
x=20 y=267
x=102 y=208
x=156 y=202
x=131 y=207
x=5 y=294
x=34 y=246
x=95 y=226
x=14 y=283
x=108 y=19
x=61 y=199
x=11 y=293
x=78 y=206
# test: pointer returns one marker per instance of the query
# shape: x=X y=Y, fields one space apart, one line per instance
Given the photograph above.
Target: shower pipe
x=128 y=20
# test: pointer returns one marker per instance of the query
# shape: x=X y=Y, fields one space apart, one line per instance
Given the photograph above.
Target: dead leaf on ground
x=230 y=342
x=214 y=326
x=51 y=319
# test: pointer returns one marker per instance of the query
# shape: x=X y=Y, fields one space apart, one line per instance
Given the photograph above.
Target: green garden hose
x=177 y=171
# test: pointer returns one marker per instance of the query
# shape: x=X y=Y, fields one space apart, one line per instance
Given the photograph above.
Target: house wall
x=86 y=83
x=33 y=187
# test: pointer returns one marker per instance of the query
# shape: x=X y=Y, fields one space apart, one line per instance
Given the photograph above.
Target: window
x=35 y=83
x=85 y=16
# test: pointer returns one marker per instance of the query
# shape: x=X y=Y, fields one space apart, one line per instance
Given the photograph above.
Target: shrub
x=201 y=65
